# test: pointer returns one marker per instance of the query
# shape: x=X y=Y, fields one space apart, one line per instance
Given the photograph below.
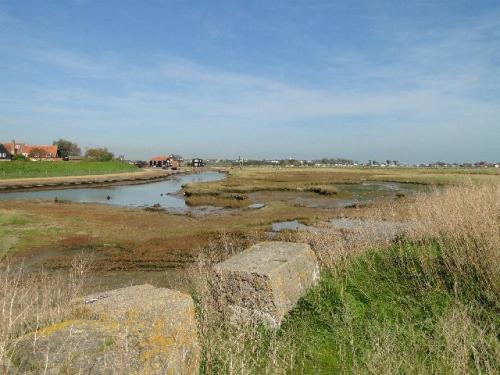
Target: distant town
x=64 y=150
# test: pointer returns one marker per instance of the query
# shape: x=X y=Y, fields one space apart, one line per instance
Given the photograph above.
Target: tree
x=67 y=148
x=99 y=154
x=38 y=153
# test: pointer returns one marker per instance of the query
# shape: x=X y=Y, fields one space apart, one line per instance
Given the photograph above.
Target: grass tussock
x=216 y=201
x=422 y=300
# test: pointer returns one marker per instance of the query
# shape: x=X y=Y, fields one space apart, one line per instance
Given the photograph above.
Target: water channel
x=143 y=195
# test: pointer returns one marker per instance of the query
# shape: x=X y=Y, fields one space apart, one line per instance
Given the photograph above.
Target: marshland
x=249 y=187
x=427 y=291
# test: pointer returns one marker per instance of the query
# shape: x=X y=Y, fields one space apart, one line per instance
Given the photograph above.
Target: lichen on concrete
x=264 y=282
x=134 y=330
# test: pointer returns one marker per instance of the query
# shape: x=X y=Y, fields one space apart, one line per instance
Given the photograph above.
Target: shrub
x=99 y=154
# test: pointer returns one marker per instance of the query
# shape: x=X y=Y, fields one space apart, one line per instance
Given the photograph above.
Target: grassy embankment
x=31 y=169
x=427 y=302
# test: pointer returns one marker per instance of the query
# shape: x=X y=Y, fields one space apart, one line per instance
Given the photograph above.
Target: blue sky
x=409 y=80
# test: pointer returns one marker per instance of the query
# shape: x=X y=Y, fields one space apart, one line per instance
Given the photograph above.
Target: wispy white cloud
x=435 y=81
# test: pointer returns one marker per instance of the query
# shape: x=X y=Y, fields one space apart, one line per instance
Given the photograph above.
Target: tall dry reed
x=229 y=349
x=464 y=221
x=31 y=300
x=461 y=224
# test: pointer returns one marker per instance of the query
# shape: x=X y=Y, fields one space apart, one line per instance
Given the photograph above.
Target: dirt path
x=75 y=181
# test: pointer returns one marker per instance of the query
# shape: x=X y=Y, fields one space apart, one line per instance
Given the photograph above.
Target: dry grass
x=29 y=301
x=228 y=349
x=253 y=179
x=465 y=223
x=425 y=301
x=433 y=291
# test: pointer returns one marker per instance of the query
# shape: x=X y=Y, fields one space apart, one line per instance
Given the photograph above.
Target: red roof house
x=31 y=151
x=162 y=161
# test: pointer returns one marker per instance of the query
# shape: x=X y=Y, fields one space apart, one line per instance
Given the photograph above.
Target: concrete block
x=69 y=347
x=265 y=281
x=134 y=330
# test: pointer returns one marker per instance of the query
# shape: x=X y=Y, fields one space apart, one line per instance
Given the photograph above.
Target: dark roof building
x=197 y=163
x=4 y=153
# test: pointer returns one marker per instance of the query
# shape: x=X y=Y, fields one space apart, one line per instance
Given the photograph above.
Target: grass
x=323 y=180
x=424 y=303
x=384 y=314
x=8 y=218
x=10 y=223
x=31 y=169
x=33 y=300
x=373 y=318
x=174 y=241
x=20 y=230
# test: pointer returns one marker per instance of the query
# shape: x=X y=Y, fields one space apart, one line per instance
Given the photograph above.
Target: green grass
x=10 y=223
x=20 y=231
x=386 y=313
x=30 y=169
x=8 y=218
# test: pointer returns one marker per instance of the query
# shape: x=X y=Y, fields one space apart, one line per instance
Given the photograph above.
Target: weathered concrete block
x=265 y=281
x=70 y=347
x=134 y=330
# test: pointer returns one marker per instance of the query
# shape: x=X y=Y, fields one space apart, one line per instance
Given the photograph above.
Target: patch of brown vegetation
x=78 y=240
x=122 y=238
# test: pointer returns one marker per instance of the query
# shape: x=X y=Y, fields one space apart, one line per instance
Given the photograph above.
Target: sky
x=415 y=81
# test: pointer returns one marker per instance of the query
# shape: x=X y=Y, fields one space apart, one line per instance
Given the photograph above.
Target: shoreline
x=74 y=182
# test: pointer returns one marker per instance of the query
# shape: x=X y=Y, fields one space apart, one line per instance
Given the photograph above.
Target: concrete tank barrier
x=134 y=330
x=264 y=282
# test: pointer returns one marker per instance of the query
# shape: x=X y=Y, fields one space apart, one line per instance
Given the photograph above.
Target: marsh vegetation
x=422 y=301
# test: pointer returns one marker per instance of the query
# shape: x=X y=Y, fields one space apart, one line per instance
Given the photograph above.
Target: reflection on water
x=126 y=195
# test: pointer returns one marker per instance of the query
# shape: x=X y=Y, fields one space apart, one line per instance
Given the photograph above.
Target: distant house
x=4 y=153
x=197 y=163
x=160 y=161
x=165 y=162
x=36 y=152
